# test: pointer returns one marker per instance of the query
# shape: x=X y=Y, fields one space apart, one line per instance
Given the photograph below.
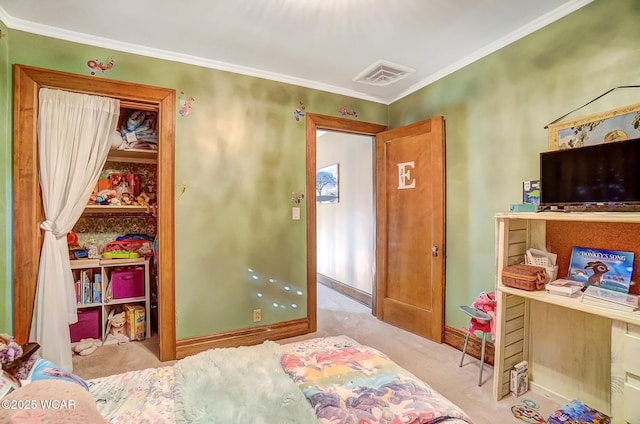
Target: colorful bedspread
x=141 y=397
x=348 y=383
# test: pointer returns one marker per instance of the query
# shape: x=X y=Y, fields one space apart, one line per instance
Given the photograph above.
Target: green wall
x=239 y=155
x=6 y=321
x=496 y=110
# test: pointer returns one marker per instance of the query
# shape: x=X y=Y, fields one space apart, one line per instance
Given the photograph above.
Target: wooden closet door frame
x=27 y=201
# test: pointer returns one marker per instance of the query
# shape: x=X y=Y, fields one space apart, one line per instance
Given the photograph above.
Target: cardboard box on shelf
x=531 y=192
x=136 y=322
x=519 y=382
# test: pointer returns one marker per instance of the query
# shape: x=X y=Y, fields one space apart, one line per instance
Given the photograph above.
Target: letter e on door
x=404 y=175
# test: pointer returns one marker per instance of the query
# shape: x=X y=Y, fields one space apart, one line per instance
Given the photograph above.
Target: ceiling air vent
x=383 y=73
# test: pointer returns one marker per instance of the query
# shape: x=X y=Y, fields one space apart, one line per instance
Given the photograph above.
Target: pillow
x=46 y=370
x=51 y=402
x=8 y=384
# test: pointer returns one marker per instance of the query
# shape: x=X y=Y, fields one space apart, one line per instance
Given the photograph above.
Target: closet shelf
x=109 y=209
x=133 y=155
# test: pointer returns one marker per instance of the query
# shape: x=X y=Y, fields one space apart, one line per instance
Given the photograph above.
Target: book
x=564 y=287
x=610 y=305
x=610 y=269
x=576 y=412
x=531 y=192
x=610 y=299
x=612 y=296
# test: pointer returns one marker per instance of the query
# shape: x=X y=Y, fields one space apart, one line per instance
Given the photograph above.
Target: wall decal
x=298 y=114
x=183 y=188
x=344 y=111
x=98 y=65
x=296 y=197
x=186 y=104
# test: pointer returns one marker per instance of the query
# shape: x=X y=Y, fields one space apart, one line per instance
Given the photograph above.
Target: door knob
x=434 y=250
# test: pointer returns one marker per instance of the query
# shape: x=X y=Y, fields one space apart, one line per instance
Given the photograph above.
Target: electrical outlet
x=257 y=315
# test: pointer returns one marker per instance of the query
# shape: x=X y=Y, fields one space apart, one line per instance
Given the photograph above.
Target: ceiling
x=322 y=44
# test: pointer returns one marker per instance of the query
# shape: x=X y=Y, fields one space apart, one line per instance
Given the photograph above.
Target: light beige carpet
x=436 y=364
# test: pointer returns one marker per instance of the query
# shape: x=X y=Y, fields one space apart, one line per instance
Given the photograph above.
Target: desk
x=575 y=351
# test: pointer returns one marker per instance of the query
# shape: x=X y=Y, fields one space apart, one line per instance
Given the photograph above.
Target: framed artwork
x=327 y=184
x=615 y=125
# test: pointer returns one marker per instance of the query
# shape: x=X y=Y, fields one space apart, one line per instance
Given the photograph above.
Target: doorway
x=345 y=212
x=27 y=202
x=410 y=210
x=314 y=123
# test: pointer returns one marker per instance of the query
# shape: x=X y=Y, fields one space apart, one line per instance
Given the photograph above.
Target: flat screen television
x=601 y=176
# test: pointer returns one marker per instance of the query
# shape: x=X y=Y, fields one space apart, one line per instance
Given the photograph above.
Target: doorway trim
x=315 y=122
x=27 y=202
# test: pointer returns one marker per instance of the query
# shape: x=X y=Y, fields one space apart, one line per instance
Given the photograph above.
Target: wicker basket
x=524 y=277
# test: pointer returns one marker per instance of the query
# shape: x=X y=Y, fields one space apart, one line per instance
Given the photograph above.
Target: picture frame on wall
x=618 y=124
x=327 y=184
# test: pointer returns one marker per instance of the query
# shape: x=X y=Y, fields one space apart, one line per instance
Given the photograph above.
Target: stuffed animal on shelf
x=116 y=331
x=127 y=199
x=149 y=199
x=107 y=197
x=117 y=324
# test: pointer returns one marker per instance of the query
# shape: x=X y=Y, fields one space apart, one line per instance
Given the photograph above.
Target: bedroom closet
x=151 y=170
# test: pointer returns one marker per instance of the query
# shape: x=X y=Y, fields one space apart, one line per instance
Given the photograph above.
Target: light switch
x=295 y=214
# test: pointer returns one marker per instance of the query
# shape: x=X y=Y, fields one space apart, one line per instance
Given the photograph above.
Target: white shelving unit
x=575 y=351
x=104 y=267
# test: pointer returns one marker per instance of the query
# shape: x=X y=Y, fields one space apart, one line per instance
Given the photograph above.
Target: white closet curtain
x=73 y=143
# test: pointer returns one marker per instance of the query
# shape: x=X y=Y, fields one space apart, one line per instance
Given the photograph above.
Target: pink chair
x=480 y=321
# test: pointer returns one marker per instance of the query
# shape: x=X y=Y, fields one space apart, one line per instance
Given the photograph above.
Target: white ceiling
x=322 y=44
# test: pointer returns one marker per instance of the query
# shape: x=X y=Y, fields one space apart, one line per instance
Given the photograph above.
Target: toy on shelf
x=116 y=331
x=149 y=198
x=107 y=197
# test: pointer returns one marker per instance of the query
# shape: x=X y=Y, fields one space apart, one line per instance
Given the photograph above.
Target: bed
x=330 y=380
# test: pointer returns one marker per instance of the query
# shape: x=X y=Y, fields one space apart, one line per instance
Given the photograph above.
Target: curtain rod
x=588 y=103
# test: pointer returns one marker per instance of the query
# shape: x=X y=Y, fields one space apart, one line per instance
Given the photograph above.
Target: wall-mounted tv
x=593 y=176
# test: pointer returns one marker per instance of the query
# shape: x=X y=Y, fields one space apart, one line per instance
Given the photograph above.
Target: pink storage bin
x=87 y=327
x=127 y=282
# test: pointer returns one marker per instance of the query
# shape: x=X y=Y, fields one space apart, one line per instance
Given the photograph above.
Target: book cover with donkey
x=609 y=269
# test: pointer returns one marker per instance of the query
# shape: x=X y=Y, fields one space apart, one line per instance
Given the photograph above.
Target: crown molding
x=48 y=31
x=78 y=37
x=514 y=36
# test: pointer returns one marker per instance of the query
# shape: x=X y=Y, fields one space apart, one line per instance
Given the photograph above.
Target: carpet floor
x=436 y=364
